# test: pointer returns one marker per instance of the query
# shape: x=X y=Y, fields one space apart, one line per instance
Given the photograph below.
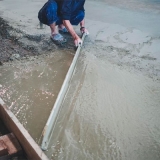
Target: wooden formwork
x=31 y=148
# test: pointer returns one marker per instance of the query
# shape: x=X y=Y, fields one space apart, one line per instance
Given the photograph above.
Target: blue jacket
x=68 y=7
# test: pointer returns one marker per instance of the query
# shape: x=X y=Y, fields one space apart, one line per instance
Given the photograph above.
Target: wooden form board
x=3 y=149
x=30 y=147
x=10 y=143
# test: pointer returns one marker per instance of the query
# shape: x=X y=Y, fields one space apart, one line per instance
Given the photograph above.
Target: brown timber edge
x=30 y=147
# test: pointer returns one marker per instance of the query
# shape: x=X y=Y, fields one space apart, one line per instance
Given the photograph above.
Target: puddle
x=30 y=88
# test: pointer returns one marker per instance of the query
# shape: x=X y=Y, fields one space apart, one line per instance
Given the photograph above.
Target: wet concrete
x=30 y=88
x=108 y=113
x=111 y=110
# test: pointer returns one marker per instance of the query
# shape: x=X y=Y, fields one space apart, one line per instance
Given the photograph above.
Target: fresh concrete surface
x=112 y=108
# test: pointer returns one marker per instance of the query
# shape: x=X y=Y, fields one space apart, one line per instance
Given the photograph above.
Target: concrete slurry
x=30 y=88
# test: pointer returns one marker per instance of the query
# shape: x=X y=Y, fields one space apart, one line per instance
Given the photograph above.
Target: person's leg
x=61 y=27
x=51 y=16
x=75 y=20
x=41 y=16
x=54 y=28
x=48 y=16
x=77 y=17
x=55 y=35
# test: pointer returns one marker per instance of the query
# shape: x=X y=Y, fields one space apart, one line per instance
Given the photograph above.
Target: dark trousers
x=48 y=15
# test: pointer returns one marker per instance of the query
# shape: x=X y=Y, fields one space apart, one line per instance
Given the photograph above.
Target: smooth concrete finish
x=32 y=150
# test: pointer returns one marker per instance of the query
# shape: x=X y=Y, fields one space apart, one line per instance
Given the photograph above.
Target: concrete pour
x=111 y=110
x=30 y=88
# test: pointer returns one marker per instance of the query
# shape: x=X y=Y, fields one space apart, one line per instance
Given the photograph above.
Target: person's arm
x=83 y=28
x=66 y=15
x=82 y=23
x=77 y=39
x=70 y=28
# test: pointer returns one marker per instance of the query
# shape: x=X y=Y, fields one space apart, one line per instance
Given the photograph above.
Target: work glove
x=78 y=42
x=84 y=30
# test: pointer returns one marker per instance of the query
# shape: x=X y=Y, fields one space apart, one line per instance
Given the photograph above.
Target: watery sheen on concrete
x=30 y=88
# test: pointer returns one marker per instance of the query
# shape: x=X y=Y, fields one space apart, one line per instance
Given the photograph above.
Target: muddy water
x=109 y=113
x=30 y=88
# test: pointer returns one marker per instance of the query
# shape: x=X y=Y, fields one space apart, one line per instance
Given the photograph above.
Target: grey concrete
x=111 y=110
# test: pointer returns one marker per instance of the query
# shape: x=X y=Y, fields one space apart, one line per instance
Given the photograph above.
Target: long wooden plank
x=31 y=148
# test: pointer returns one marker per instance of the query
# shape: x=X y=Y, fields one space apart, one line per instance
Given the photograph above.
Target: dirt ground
x=8 y=45
x=11 y=48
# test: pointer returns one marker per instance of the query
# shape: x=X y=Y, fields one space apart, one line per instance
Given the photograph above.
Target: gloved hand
x=77 y=42
x=84 y=30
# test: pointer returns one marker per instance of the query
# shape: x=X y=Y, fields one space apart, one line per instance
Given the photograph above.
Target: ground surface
x=112 y=109
x=15 y=44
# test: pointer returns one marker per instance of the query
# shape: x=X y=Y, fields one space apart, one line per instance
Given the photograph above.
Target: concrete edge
x=31 y=148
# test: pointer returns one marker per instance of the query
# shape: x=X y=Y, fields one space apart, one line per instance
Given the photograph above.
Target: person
x=60 y=15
